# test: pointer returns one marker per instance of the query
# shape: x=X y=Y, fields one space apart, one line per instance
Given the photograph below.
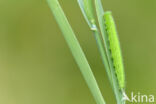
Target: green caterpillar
x=115 y=48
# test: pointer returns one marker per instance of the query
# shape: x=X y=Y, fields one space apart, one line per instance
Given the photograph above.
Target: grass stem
x=76 y=50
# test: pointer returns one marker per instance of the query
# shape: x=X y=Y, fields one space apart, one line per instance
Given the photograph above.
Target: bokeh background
x=36 y=66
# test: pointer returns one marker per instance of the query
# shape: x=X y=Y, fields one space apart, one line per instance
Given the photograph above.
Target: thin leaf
x=97 y=37
x=76 y=50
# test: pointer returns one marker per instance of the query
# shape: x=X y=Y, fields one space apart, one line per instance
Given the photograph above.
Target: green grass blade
x=116 y=87
x=103 y=54
x=76 y=50
x=87 y=13
x=96 y=34
x=80 y=2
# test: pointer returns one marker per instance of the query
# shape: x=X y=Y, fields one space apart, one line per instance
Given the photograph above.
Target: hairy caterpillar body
x=115 y=48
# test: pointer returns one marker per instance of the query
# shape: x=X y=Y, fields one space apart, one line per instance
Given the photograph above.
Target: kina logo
x=139 y=98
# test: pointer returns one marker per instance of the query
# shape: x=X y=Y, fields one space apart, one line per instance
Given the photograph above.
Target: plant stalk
x=76 y=50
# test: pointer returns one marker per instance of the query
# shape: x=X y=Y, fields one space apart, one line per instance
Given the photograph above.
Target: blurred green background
x=36 y=66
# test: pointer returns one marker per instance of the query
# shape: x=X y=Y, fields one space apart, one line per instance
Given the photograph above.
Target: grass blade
x=96 y=34
x=76 y=50
x=89 y=19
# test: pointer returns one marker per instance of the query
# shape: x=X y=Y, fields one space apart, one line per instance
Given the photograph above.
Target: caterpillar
x=115 y=48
